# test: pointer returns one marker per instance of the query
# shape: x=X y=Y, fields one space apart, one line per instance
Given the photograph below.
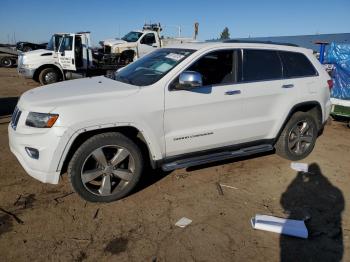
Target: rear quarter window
x=296 y=65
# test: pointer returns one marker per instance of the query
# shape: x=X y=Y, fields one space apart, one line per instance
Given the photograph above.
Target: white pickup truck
x=138 y=43
x=174 y=108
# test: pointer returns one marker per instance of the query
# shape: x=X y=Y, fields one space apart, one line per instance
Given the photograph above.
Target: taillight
x=330 y=84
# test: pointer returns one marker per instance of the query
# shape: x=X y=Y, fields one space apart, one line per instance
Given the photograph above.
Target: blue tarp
x=339 y=56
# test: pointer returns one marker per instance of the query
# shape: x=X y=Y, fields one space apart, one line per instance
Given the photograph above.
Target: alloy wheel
x=107 y=170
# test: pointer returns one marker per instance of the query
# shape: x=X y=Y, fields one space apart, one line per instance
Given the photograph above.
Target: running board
x=199 y=160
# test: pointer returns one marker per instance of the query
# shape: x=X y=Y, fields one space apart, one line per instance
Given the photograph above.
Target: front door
x=66 y=56
x=146 y=44
x=209 y=116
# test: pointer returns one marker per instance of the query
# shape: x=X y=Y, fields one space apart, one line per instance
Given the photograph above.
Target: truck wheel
x=6 y=62
x=105 y=168
x=298 y=137
x=49 y=76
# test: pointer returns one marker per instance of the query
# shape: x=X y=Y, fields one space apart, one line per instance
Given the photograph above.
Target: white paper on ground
x=183 y=222
x=302 y=167
x=279 y=225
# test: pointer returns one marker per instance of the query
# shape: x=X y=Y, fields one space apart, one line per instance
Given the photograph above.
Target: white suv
x=174 y=108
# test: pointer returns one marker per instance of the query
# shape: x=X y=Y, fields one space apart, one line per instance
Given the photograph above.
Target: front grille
x=15 y=118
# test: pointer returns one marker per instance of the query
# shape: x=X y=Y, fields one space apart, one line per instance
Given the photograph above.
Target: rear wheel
x=6 y=62
x=298 y=137
x=49 y=76
x=106 y=167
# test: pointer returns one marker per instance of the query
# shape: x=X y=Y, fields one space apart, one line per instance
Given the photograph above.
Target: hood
x=39 y=56
x=111 y=42
x=38 y=52
x=87 y=90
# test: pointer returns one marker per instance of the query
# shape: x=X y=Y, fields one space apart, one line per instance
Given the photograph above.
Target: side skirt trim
x=213 y=157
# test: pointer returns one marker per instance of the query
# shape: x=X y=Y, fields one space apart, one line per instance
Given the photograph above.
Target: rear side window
x=261 y=65
x=296 y=65
x=148 y=39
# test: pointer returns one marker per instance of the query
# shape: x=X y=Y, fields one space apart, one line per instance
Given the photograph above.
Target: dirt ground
x=42 y=222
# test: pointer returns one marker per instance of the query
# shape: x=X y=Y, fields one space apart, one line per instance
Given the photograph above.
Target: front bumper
x=44 y=168
x=26 y=72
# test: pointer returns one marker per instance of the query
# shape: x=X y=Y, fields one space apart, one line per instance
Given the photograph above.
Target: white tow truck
x=71 y=56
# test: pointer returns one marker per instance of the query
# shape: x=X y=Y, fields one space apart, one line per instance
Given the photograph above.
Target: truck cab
x=66 y=55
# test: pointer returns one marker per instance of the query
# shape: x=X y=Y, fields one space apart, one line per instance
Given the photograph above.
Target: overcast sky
x=37 y=20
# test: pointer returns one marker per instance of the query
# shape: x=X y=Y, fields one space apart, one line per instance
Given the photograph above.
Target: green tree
x=225 y=34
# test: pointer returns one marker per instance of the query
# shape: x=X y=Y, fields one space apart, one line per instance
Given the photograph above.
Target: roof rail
x=258 y=42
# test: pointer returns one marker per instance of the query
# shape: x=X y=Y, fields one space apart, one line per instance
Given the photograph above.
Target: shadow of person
x=311 y=196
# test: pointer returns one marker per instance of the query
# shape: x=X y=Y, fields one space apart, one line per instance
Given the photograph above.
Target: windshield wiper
x=123 y=79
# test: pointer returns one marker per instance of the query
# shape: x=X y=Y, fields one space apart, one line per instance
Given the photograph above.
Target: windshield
x=151 y=68
x=54 y=42
x=132 y=36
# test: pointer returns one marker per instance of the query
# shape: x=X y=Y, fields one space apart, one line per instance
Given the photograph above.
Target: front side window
x=54 y=42
x=152 y=67
x=148 y=39
x=67 y=43
x=261 y=65
x=216 y=67
x=296 y=65
x=132 y=36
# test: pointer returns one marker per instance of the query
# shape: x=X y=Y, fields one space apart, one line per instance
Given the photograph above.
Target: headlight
x=27 y=66
x=41 y=120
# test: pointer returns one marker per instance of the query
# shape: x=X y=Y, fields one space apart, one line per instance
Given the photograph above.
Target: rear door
x=266 y=94
x=66 y=56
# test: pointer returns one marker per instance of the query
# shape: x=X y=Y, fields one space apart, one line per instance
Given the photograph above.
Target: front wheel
x=298 y=137
x=106 y=167
x=49 y=76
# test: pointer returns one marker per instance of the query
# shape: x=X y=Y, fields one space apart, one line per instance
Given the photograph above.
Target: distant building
x=306 y=41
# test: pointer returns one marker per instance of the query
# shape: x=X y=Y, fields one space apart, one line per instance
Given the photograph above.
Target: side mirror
x=189 y=79
x=154 y=45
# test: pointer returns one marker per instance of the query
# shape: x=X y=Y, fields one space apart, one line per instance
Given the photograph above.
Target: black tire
x=6 y=62
x=285 y=146
x=49 y=76
x=85 y=157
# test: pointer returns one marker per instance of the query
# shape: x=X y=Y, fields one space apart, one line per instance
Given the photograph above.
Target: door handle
x=233 y=92
x=288 y=86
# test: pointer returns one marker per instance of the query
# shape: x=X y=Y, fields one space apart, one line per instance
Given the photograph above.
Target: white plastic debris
x=300 y=167
x=183 y=222
x=279 y=225
x=232 y=187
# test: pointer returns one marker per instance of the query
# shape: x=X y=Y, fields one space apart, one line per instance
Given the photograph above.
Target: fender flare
x=154 y=154
x=295 y=108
